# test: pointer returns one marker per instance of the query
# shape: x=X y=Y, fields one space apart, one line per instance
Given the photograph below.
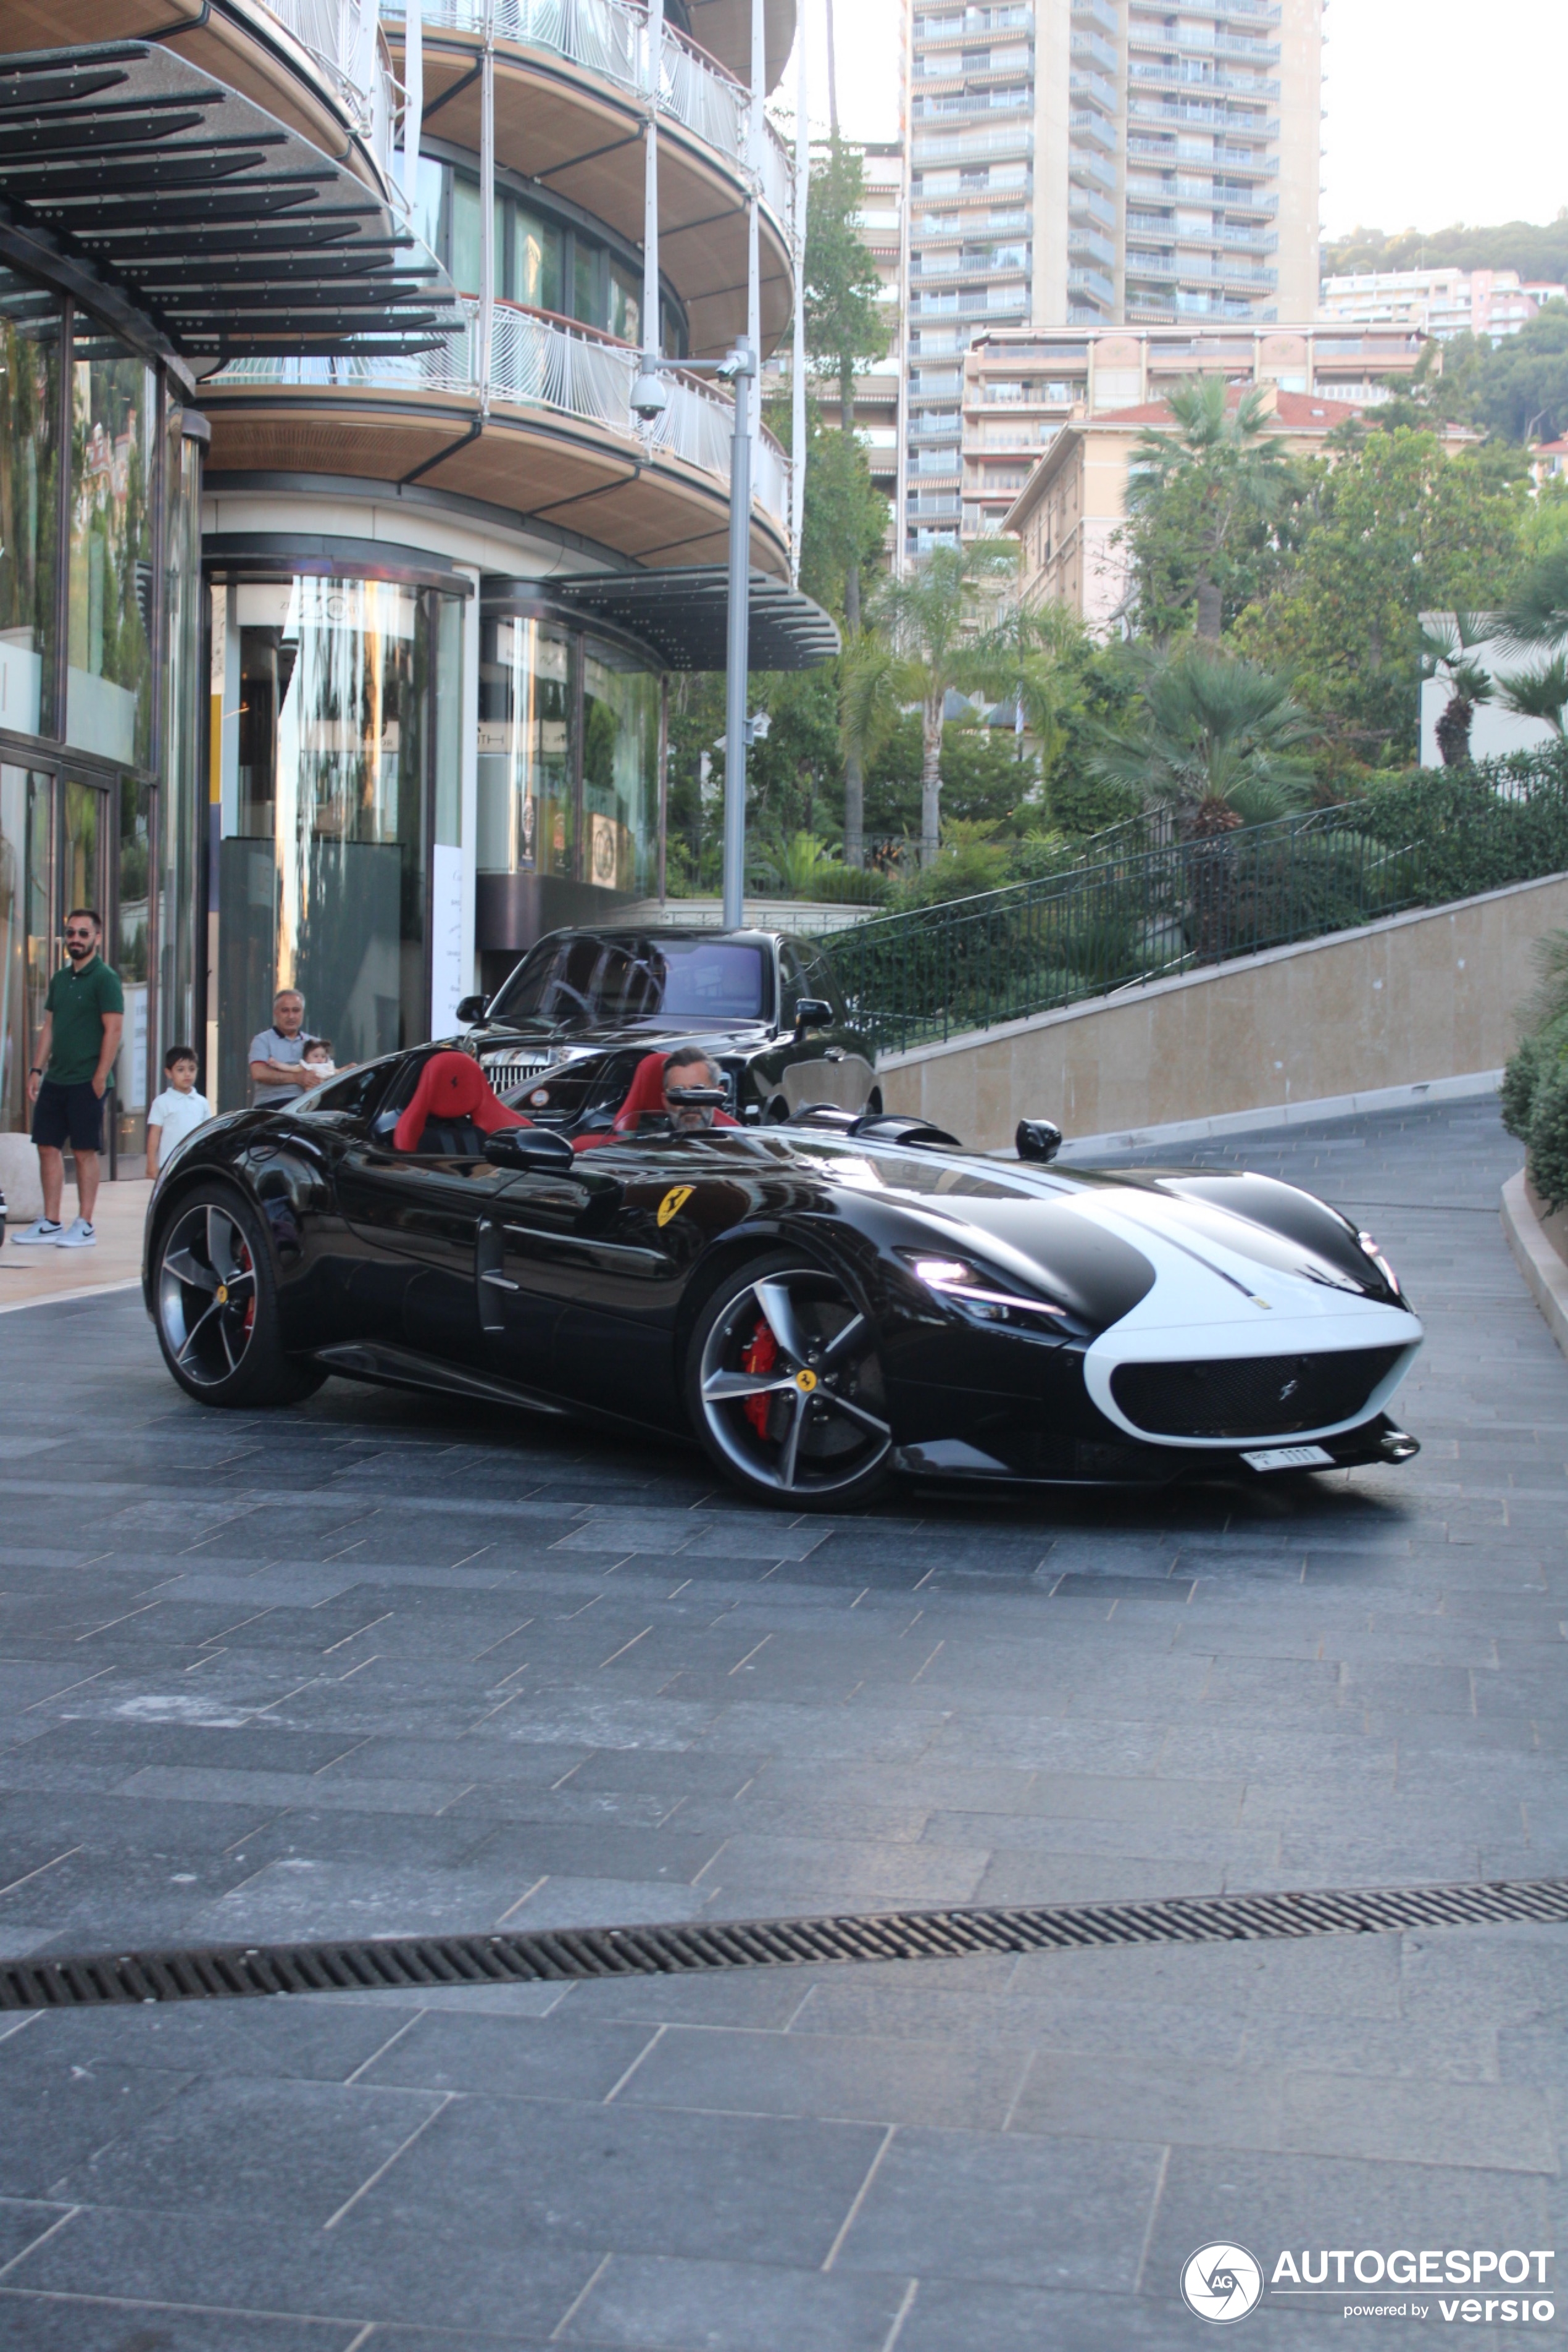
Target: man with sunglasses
x=84 y=1018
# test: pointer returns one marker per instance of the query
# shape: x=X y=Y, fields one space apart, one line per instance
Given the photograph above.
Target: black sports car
x=821 y=1304
x=766 y=1007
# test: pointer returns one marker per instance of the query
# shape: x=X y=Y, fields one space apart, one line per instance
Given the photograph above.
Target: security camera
x=650 y=396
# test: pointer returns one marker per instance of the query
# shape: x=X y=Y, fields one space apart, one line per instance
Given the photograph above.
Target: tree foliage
x=1404 y=528
x=1536 y=252
x=1204 y=500
x=1217 y=735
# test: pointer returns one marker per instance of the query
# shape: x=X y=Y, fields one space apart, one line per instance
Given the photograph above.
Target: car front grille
x=505 y=1070
x=1251 y=1396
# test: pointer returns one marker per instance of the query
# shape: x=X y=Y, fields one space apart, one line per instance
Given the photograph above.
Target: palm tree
x=1217 y=736
x=1539 y=693
x=1444 y=652
x=1232 y=465
x=925 y=641
x=1037 y=652
x=1539 y=612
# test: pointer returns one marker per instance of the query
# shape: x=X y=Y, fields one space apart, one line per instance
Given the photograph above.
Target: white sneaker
x=42 y=1229
x=79 y=1234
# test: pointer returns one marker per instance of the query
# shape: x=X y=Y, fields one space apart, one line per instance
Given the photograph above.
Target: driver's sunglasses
x=80 y=934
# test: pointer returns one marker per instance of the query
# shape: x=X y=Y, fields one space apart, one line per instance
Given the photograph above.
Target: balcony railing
x=608 y=38
x=340 y=38
x=539 y=360
x=964 y=146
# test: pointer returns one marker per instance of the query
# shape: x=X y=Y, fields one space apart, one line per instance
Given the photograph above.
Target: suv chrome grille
x=505 y=1070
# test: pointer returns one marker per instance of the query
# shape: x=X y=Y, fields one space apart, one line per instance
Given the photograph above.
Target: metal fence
x=1149 y=912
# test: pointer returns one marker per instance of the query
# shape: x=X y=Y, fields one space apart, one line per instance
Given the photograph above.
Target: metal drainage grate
x=412 y=1963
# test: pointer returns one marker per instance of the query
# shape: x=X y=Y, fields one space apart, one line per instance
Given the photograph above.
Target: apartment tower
x=1094 y=164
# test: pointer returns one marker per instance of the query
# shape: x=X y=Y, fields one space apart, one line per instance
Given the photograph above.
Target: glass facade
x=332 y=762
x=527 y=766
x=98 y=636
x=546 y=262
x=568 y=765
x=30 y=322
x=620 y=769
x=115 y=439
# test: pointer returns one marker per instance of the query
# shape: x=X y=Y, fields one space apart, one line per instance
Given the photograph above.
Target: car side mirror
x=813 y=1013
x=1037 y=1138
x=471 y=1009
x=537 y=1150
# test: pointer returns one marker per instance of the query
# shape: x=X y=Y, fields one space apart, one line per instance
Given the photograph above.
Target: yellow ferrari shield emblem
x=673 y=1202
x=805 y=1382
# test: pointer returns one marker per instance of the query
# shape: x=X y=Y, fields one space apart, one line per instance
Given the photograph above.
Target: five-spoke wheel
x=217 y=1309
x=784 y=1387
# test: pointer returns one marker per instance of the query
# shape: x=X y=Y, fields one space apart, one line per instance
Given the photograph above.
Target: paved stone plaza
x=384 y=1665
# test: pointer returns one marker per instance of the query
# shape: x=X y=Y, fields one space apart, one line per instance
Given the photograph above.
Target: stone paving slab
x=385 y=1664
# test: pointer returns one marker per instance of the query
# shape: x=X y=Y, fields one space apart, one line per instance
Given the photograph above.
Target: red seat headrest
x=452 y=1086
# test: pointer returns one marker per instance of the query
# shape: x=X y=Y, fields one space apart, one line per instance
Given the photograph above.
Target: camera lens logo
x=1221 y=2282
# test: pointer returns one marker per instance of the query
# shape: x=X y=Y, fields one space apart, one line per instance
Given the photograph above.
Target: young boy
x=318 y=1053
x=177 y=1110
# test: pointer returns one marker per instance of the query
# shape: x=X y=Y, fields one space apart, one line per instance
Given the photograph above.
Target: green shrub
x=1522 y=1077
x=1548 y=1138
x=1037 y=857
x=1080 y=804
x=851 y=885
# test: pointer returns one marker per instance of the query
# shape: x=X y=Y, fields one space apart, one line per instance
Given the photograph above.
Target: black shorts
x=69 y=1113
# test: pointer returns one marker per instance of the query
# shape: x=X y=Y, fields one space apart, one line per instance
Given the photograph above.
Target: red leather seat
x=452 y=1086
x=646 y=1092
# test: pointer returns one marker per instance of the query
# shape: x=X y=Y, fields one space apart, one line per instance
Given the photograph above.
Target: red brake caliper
x=246 y=1267
x=760 y=1357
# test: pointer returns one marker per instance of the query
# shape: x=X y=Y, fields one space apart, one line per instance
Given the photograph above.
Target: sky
x=1437 y=111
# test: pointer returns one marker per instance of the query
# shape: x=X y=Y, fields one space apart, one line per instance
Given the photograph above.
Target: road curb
x=58 y=1298
x=1543 y=1269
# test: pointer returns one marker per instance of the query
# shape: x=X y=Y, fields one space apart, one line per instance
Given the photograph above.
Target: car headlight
x=978 y=1292
x=1365 y=1242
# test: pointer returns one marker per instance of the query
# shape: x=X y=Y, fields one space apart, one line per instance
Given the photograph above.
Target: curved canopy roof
x=684 y=616
x=130 y=173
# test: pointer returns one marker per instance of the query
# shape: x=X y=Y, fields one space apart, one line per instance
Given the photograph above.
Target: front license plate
x=1290 y=1457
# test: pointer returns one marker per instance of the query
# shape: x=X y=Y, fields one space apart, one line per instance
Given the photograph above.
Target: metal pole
x=797 y=378
x=737 y=652
x=663 y=778
x=413 y=96
x=652 y=341
x=487 y=206
x=758 y=148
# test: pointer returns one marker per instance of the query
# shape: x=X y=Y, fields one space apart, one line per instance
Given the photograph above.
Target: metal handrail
x=1162 y=900
x=609 y=39
x=540 y=360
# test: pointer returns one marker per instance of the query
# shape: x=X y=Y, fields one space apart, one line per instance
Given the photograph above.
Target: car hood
x=600 y=1038
x=1109 y=1244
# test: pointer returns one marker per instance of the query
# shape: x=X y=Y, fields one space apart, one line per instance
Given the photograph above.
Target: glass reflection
x=525 y=784
x=620 y=768
x=108 y=685
x=29 y=505
x=325 y=761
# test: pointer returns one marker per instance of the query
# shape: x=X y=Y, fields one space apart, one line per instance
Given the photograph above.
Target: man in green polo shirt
x=84 y=1015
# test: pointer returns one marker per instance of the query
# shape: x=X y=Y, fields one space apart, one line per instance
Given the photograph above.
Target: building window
x=540 y=261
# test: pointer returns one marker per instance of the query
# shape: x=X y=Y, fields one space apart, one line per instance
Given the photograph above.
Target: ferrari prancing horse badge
x=673 y=1202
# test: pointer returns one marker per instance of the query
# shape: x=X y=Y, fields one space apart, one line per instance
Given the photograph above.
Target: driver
x=689 y=1070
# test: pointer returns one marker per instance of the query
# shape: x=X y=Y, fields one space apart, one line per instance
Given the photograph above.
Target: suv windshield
x=616 y=977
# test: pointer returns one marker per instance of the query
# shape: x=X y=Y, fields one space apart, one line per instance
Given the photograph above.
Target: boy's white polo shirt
x=175 y=1116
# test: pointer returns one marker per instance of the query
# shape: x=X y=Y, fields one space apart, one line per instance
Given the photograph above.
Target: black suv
x=563 y=1035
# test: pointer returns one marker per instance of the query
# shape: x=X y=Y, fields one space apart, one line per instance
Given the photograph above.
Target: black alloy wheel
x=216 y=1307
x=785 y=1388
